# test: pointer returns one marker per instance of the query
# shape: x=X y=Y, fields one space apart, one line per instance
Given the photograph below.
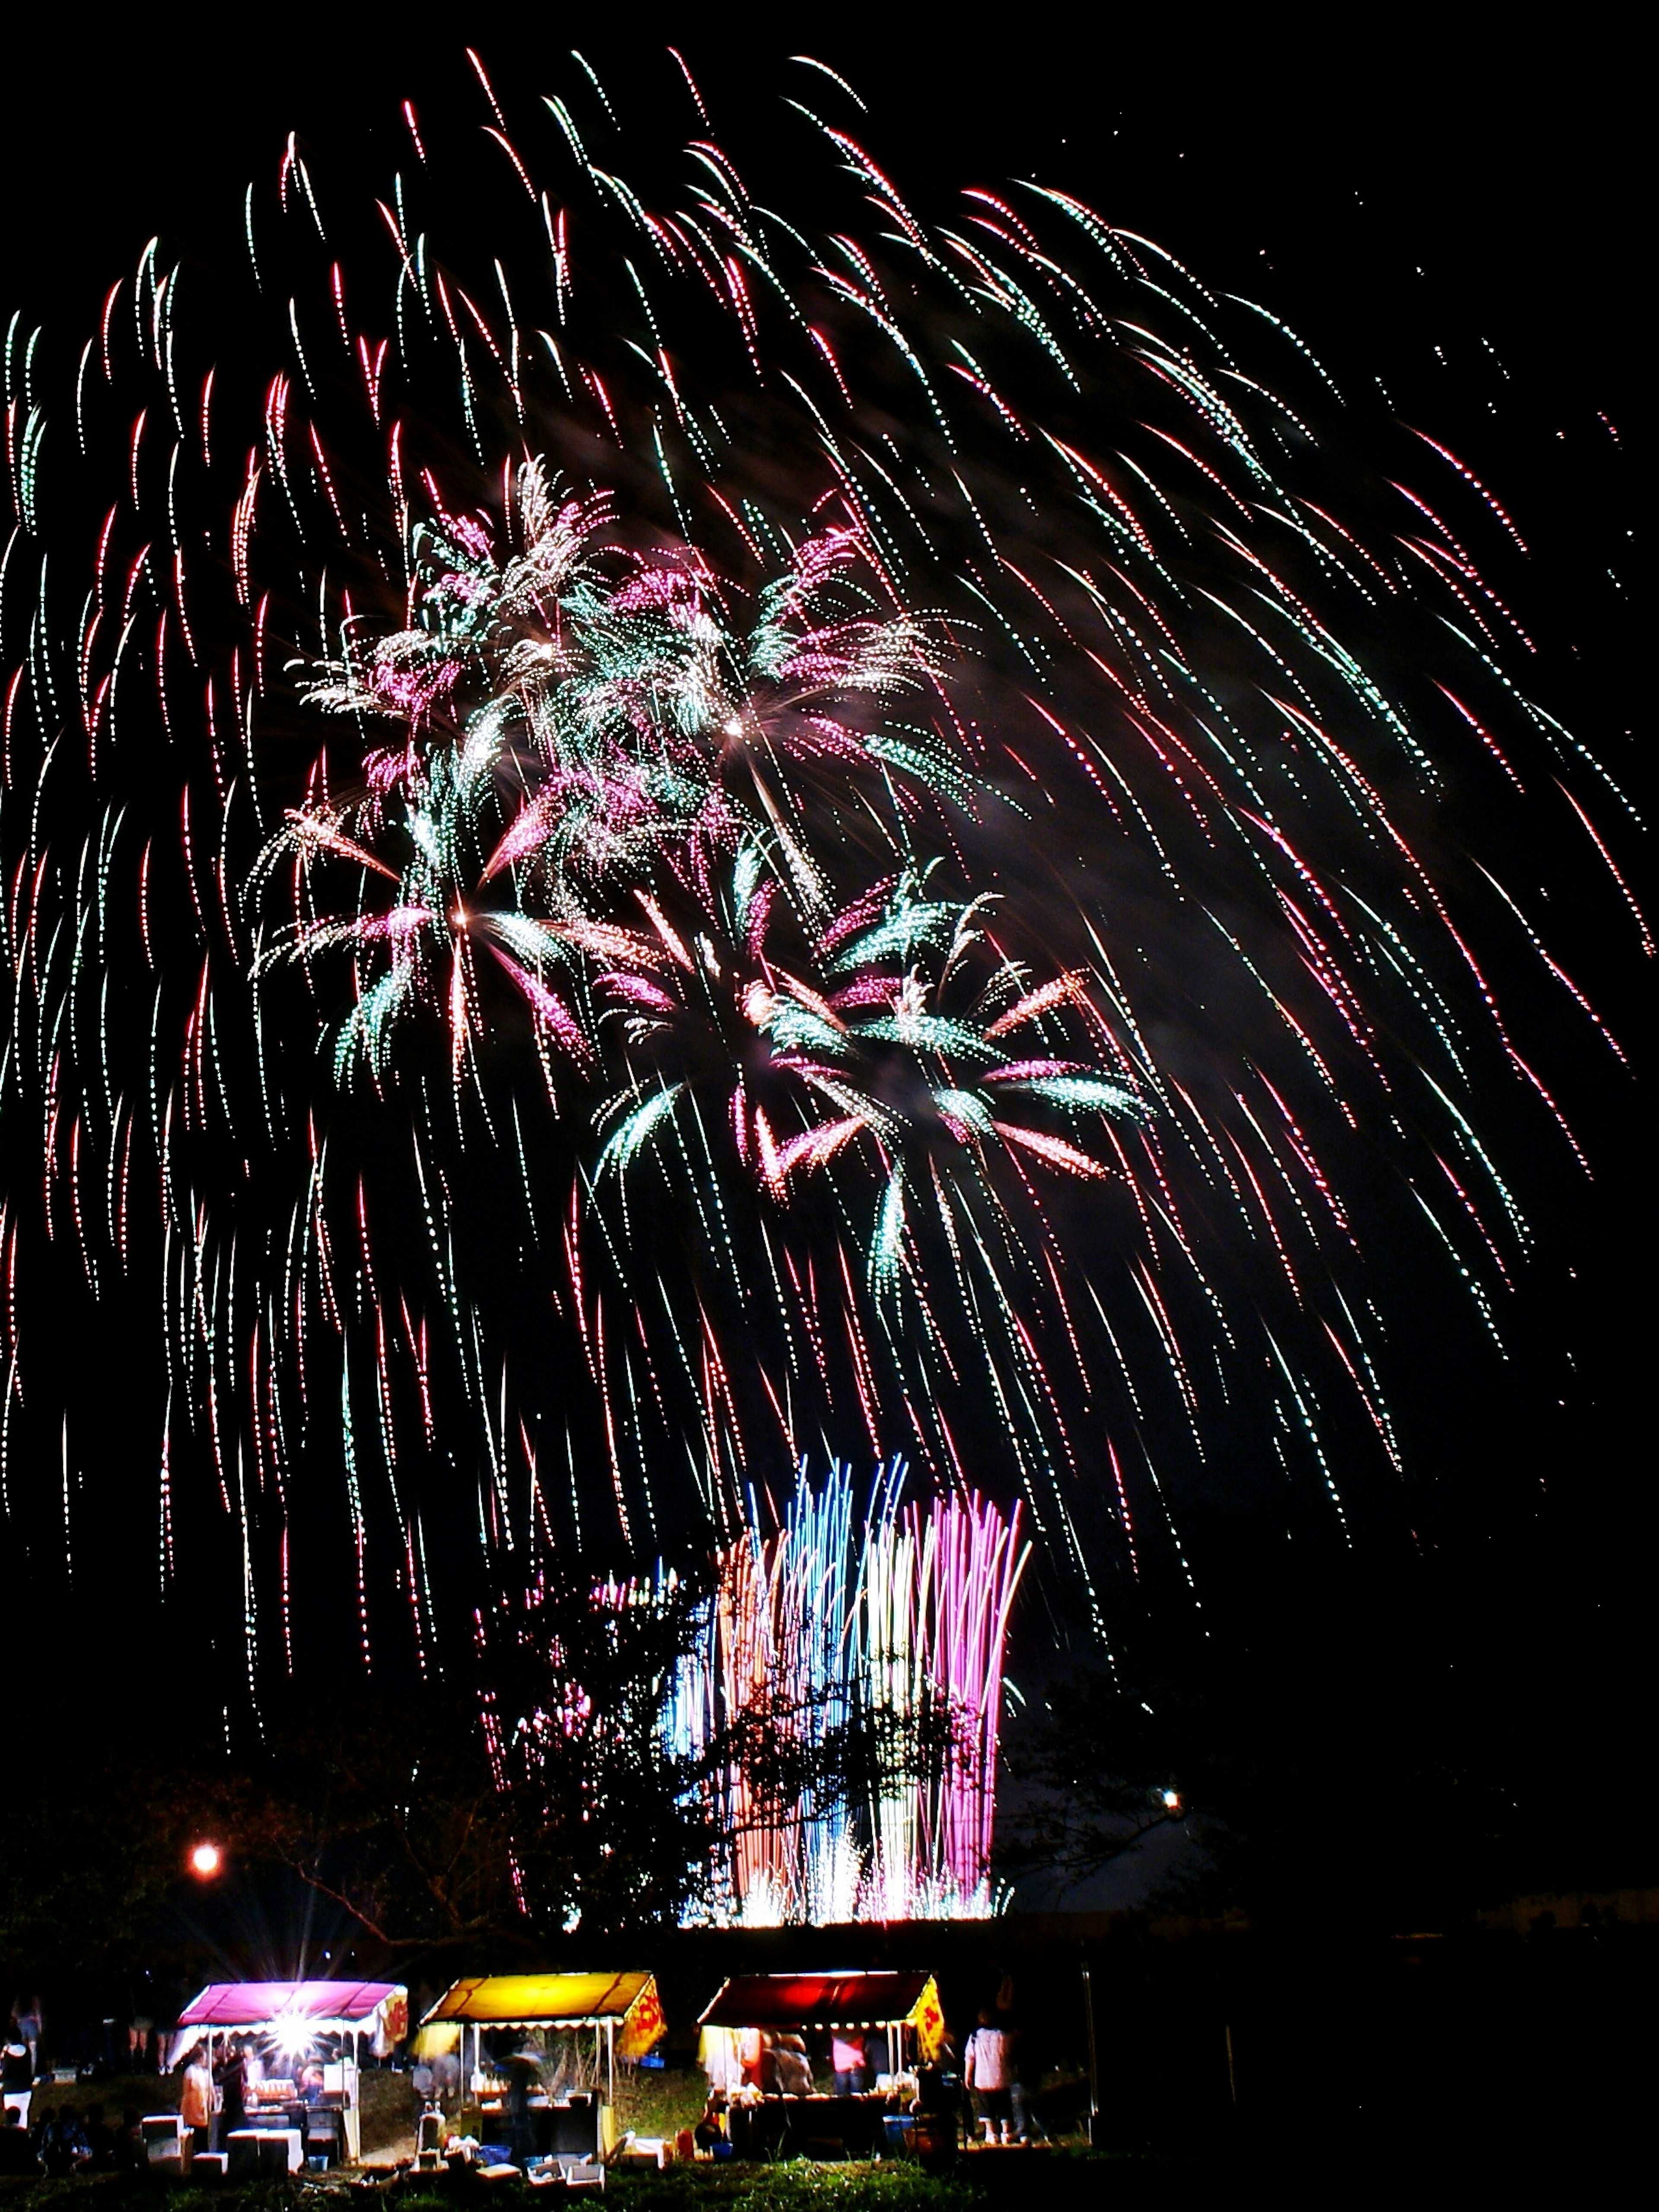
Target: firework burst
x=700 y=828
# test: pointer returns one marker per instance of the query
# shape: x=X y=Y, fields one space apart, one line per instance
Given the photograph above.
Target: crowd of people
x=982 y=2091
x=38 y=2138
x=61 y=2141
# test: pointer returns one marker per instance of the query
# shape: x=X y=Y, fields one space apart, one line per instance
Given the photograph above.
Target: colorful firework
x=905 y=908
x=833 y=1712
x=901 y=1621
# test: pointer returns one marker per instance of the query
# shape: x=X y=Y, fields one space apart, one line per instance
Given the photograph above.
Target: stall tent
x=623 y=2011
x=783 y=2003
x=293 y=2014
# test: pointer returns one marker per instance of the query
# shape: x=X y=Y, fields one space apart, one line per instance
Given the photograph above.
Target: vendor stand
x=623 y=2011
x=301 y=2090
x=753 y=2039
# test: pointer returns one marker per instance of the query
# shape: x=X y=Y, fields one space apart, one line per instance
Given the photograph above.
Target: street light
x=205 y=1860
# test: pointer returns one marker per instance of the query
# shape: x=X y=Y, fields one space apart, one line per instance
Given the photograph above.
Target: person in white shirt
x=986 y=2072
x=17 y=2072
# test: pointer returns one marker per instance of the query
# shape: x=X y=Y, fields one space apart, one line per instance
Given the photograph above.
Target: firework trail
x=697 y=818
x=861 y=1658
x=905 y=1616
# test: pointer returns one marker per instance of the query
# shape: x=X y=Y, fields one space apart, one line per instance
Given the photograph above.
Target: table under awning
x=752 y=2010
x=624 y=2009
x=790 y=2001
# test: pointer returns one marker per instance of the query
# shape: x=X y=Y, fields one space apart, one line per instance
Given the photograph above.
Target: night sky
x=1442 y=214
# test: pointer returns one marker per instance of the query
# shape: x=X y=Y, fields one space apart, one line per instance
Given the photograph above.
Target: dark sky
x=1442 y=205
x=1411 y=167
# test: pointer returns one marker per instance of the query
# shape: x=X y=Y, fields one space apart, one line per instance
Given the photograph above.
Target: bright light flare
x=290 y=2036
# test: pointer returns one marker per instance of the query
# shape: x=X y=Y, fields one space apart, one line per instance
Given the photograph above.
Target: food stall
x=304 y=2040
x=754 y=2048
x=623 y=2011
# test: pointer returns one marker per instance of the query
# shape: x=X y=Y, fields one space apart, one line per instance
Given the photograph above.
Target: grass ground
x=1341 y=2173
x=659 y=2102
x=1067 y=2179
x=1058 y=2184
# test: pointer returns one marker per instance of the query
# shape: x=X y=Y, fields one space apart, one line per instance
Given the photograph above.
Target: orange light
x=205 y=1860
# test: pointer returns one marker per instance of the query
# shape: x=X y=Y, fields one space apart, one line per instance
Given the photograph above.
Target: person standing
x=850 y=2060
x=232 y=2089
x=28 y=2015
x=16 y=2073
x=987 y=2074
x=447 y=2079
x=1025 y=2074
x=524 y=2075
x=794 y=2067
x=754 y=2047
x=195 y=2101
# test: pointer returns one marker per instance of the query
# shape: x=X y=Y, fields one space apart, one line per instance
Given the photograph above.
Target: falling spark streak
x=868 y=853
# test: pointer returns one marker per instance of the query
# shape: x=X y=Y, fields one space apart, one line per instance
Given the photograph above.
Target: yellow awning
x=547 y=2000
